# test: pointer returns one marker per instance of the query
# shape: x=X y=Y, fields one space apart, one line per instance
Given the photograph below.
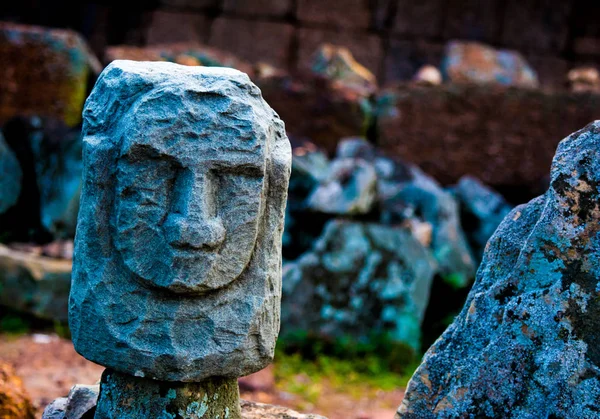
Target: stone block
x=404 y=58
x=354 y=14
x=529 y=27
x=43 y=72
x=504 y=136
x=191 y=4
x=367 y=49
x=275 y=8
x=473 y=20
x=253 y=40
x=418 y=18
x=551 y=70
x=169 y=27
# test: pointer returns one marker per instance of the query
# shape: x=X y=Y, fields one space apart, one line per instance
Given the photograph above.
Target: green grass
x=306 y=364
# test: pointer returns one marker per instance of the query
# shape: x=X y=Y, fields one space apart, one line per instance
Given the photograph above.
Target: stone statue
x=177 y=266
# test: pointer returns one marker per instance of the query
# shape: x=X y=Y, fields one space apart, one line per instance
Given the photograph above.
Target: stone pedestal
x=123 y=396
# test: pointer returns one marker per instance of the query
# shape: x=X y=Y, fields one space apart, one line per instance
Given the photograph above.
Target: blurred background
x=416 y=126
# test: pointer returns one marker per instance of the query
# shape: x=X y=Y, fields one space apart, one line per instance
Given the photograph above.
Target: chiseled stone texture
x=359 y=279
x=527 y=342
x=10 y=177
x=177 y=265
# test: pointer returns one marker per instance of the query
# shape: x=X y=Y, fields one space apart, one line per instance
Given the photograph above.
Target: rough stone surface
x=526 y=342
x=56 y=409
x=34 y=284
x=482 y=211
x=45 y=72
x=338 y=64
x=124 y=396
x=177 y=266
x=350 y=187
x=14 y=401
x=81 y=400
x=406 y=195
x=251 y=410
x=472 y=62
x=366 y=48
x=358 y=280
x=10 y=177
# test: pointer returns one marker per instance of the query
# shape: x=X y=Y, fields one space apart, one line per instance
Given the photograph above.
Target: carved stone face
x=177 y=263
x=188 y=198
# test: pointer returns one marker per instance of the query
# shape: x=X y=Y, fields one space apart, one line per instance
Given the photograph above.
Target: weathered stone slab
x=44 y=72
x=177 y=267
x=526 y=342
x=34 y=284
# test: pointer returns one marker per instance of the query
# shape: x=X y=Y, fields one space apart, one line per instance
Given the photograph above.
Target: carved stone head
x=177 y=268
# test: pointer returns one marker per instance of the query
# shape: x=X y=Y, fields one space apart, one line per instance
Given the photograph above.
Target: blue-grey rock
x=35 y=284
x=58 y=168
x=56 y=409
x=527 y=342
x=473 y=62
x=359 y=279
x=309 y=167
x=81 y=400
x=125 y=397
x=482 y=210
x=10 y=177
x=177 y=264
x=405 y=194
x=349 y=188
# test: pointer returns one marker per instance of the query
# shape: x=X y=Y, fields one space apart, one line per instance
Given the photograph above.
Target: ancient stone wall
x=391 y=37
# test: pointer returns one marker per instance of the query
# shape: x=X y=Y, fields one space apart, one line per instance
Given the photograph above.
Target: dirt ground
x=49 y=366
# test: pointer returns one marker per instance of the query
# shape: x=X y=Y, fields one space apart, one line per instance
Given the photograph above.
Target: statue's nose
x=193 y=221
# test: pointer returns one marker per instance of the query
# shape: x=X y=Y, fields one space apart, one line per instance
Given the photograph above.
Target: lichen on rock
x=526 y=343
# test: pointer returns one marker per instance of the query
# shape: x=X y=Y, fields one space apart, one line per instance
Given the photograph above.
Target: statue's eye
x=148 y=181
